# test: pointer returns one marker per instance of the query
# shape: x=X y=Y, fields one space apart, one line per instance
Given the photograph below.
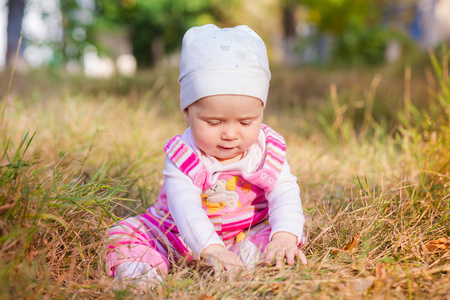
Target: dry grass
x=93 y=154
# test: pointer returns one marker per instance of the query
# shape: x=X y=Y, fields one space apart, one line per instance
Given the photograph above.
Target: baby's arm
x=197 y=230
x=184 y=201
x=185 y=206
x=287 y=220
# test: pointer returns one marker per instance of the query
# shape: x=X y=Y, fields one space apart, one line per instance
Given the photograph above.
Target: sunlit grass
x=79 y=157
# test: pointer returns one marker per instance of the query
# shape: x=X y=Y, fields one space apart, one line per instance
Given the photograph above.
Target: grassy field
x=370 y=149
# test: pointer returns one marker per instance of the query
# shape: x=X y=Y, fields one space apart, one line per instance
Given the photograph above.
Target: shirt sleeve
x=285 y=206
x=185 y=206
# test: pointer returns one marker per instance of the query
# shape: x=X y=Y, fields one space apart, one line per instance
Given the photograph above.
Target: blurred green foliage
x=156 y=26
x=339 y=16
x=359 y=29
x=77 y=27
x=360 y=37
x=359 y=46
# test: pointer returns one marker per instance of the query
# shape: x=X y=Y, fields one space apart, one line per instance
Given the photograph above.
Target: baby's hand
x=221 y=260
x=283 y=244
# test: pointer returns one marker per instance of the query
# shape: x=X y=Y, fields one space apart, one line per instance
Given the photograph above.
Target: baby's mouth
x=226 y=148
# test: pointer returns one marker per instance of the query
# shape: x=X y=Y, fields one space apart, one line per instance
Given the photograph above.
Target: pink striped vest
x=236 y=201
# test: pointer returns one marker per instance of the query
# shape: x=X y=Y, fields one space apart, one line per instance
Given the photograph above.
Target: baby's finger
x=279 y=259
x=302 y=257
x=290 y=256
x=268 y=257
x=229 y=274
x=232 y=269
x=218 y=270
x=231 y=266
x=216 y=274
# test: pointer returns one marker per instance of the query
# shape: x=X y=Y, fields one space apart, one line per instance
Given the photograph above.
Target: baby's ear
x=186 y=115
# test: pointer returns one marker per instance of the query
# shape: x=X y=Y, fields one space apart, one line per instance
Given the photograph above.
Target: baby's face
x=225 y=126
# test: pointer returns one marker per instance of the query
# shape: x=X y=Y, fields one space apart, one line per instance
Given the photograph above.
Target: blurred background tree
x=61 y=28
x=350 y=32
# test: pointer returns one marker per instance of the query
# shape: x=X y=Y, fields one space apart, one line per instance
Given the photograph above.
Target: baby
x=228 y=196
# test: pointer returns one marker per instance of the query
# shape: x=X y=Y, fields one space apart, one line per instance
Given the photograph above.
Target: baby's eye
x=246 y=123
x=213 y=123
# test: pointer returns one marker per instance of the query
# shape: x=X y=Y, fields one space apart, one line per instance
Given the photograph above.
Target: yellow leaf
x=350 y=245
x=441 y=244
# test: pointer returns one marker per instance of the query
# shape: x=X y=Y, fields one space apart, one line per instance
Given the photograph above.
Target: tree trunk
x=289 y=22
x=290 y=57
x=157 y=48
x=15 y=16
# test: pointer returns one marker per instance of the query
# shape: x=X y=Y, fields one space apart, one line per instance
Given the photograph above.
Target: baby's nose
x=230 y=132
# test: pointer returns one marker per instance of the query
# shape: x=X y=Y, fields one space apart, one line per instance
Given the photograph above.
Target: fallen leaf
x=380 y=271
x=206 y=297
x=349 y=246
x=441 y=244
x=275 y=287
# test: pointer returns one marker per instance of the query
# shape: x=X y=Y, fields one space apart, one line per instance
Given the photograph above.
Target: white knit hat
x=228 y=61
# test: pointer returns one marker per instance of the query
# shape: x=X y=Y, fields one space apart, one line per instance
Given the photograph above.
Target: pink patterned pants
x=137 y=240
